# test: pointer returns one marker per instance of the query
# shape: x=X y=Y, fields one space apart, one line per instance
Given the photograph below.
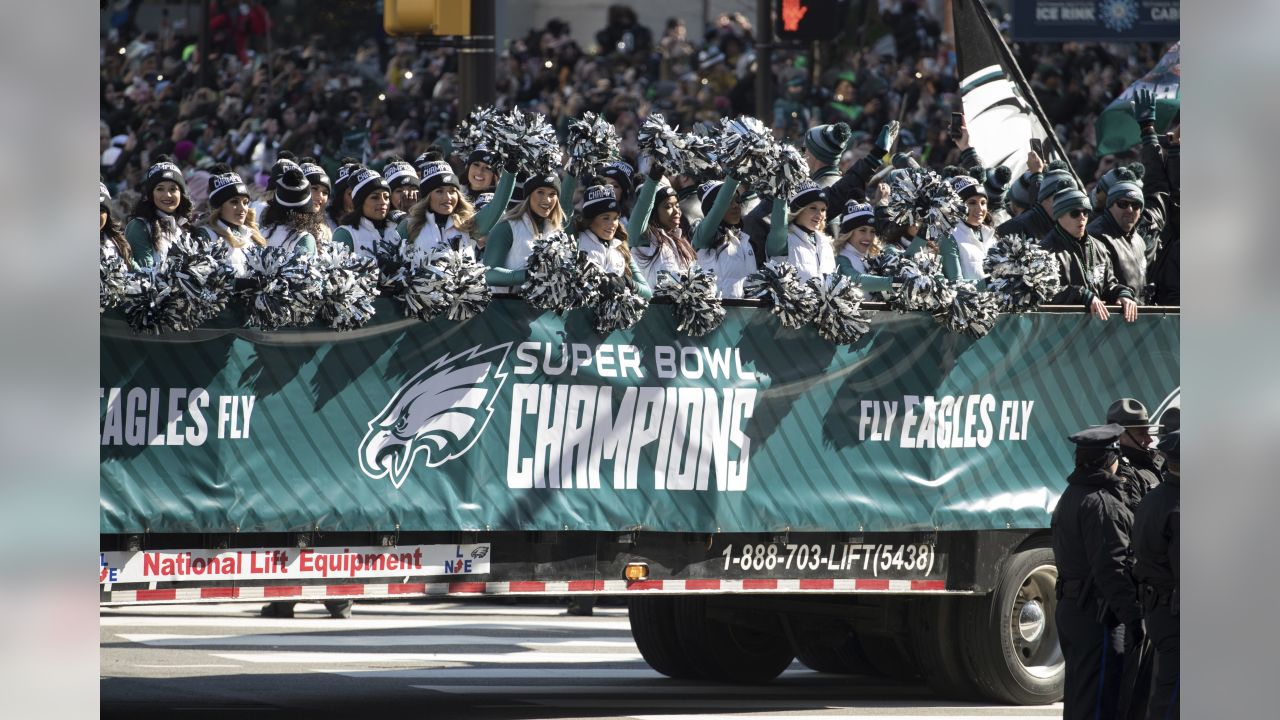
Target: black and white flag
x=1000 y=109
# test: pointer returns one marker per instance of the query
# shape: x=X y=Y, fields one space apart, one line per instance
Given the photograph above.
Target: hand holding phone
x=957 y=125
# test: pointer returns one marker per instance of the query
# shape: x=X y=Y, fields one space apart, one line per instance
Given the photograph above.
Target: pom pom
x=150 y=304
x=1022 y=273
x=695 y=300
x=970 y=312
x=475 y=132
x=592 y=141
x=790 y=172
x=558 y=276
x=284 y=288
x=921 y=197
x=747 y=149
x=838 y=316
x=1125 y=174
x=842 y=134
x=1138 y=169
x=699 y=155
x=951 y=171
x=619 y=306
x=393 y=266
x=779 y=286
x=1003 y=175
x=459 y=290
x=659 y=142
x=113 y=275
x=1057 y=165
x=920 y=285
x=200 y=276
x=349 y=285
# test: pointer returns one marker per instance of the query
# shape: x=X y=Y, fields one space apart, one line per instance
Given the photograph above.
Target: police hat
x=1129 y=413
x=1170 y=445
x=1171 y=420
x=1100 y=437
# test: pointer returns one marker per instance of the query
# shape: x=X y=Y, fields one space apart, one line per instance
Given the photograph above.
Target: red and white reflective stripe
x=524 y=587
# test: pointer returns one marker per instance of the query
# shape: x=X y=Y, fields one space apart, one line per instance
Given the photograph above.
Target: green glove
x=1144 y=107
x=888 y=134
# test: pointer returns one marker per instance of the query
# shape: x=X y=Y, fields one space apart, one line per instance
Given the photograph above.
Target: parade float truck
x=758 y=494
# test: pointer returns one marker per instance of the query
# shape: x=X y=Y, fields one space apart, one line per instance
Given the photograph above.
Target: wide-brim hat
x=1129 y=413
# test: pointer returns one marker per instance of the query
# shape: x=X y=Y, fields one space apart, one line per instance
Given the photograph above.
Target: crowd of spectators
x=376 y=97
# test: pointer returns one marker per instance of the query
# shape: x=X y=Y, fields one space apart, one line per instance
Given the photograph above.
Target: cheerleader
x=658 y=242
x=719 y=241
x=542 y=211
x=800 y=236
x=403 y=181
x=367 y=225
x=481 y=173
x=964 y=250
x=161 y=215
x=858 y=243
x=320 y=189
x=442 y=217
x=288 y=221
x=340 y=203
x=604 y=240
x=111 y=240
x=617 y=175
x=230 y=220
x=284 y=161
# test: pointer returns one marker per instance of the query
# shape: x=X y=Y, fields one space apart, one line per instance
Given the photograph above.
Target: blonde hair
x=230 y=238
x=555 y=218
x=624 y=247
x=464 y=214
x=791 y=220
x=846 y=237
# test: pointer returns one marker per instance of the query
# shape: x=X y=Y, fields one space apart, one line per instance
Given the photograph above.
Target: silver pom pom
x=660 y=142
x=779 y=286
x=349 y=285
x=748 y=152
x=839 y=317
x=1022 y=273
x=558 y=276
x=113 y=274
x=465 y=290
x=526 y=138
x=592 y=141
x=923 y=198
x=475 y=132
x=970 y=312
x=201 y=277
x=920 y=285
x=151 y=305
x=619 y=306
x=695 y=299
x=284 y=288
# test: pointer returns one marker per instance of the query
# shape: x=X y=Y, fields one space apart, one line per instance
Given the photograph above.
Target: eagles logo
x=439 y=413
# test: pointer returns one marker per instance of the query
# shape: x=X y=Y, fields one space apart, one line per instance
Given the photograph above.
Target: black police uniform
x=1141 y=471
x=1097 y=602
x=1156 y=549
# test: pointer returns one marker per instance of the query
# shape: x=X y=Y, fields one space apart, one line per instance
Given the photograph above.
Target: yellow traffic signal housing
x=426 y=17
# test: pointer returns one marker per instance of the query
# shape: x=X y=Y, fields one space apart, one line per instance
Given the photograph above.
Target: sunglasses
x=1078 y=213
x=1128 y=205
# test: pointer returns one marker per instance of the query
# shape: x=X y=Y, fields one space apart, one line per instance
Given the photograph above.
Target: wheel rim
x=1031 y=629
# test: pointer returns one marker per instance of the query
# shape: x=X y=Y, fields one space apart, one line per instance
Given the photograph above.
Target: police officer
x=1098 y=615
x=1156 y=547
x=1140 y=465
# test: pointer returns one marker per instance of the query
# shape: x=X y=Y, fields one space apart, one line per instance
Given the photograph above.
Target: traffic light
x=426 y=17
x=809 y=20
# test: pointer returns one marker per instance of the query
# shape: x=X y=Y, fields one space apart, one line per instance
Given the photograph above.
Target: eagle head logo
x=439 y=413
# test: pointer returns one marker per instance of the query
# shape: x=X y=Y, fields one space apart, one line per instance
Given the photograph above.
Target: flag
x=1000 y=109
x=1117 y=130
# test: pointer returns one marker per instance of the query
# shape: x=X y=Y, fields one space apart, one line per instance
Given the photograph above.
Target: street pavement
x=474 y=661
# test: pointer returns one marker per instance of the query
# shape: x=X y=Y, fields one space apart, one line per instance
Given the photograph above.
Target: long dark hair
x=114 y=232
x=337 y=202
x=147 y=211
x=662 y=237
x=296 y=221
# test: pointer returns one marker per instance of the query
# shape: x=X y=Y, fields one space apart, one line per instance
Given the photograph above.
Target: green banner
x=520 y=420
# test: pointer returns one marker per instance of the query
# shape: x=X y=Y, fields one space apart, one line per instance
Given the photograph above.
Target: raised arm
x=776 y=244
x=568 y=186
x=705 y=236
x=495 y=256
x=638 y=223
x=490 y=214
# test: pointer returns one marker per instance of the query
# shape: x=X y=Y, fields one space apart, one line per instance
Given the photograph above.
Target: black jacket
x=1157 y=536
x=1084 y=269
x=1141 y=471
x=1091 y=540
x=1129 y=254
x=1033 y=223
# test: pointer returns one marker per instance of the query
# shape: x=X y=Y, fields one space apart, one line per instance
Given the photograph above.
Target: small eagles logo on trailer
x=439 y=413
x=480 y=552
x=1118 y=15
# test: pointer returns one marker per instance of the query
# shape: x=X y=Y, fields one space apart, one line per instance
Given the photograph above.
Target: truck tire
x=935 y=642
x=845 y=658
x=1009 y=639
x=727 y=652
x=890 y=656
x=653 y=626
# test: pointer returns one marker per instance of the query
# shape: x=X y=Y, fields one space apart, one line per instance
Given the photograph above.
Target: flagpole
x=1007 y=55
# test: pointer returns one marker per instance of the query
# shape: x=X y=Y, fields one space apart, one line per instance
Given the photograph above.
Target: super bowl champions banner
x=520 y=420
